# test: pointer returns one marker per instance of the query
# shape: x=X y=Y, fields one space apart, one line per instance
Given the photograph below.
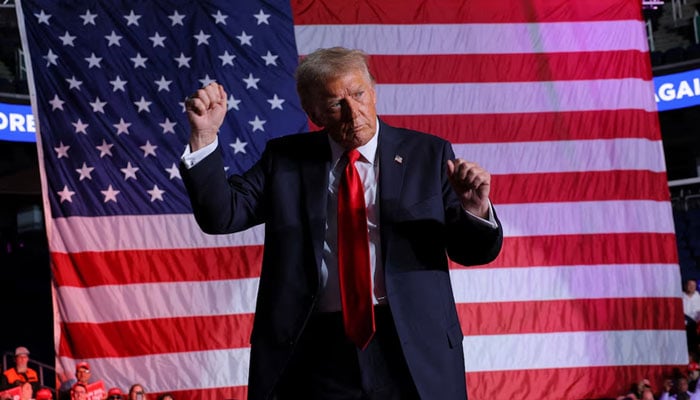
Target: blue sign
x=17 y=123
x=677 y=90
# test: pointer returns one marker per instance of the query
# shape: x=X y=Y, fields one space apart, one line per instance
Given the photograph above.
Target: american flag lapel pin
x=398 y=159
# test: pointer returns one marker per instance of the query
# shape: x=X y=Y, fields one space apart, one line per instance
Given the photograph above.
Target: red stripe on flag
x=571 y=316
x=563 y=383
x=164 y=335
x=310 y=12
x=221 y=393
x=510 y=67
x=528 y=127
x=579 y=186
x=143 y=266
x=612 y=248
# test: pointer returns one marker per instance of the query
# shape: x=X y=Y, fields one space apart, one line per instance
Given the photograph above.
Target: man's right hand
x=206 y=109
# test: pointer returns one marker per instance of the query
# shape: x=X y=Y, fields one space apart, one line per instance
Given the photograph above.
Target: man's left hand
x=472 y=184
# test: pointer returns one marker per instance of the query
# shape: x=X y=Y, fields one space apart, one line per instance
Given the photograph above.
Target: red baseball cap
x=114 y=392
x=44 y=394
x=82 y=364
x=693 y=366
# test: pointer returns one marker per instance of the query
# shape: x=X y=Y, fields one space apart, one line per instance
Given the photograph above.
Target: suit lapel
x=391 y=174
x=314 y=183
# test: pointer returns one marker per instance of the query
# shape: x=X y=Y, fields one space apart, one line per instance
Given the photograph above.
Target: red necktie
x=353 y=256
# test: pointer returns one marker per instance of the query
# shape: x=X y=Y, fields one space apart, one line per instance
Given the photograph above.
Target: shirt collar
x=368 y=150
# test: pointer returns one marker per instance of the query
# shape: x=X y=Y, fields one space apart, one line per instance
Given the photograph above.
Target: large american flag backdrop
x=553 y=97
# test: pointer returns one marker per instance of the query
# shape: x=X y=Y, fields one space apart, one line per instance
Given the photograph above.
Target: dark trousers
x=327 y=366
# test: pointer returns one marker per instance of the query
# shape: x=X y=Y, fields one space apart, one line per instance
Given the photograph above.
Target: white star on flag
x=67 y=39
x=156 y=193
x=98 y=106
x=262 y=17
x=275 y=102
x=139 y=61
x=113 y=39
x=233 y=102
x=257 y=124
x=122 y=126
x=202 y=38
x=42 y=17
x=80 y=127
x=173 y=172
x=61 y=150
x=66 y=194
x=227 y=59
x=94 y=61
x=238 y=146
x=176 y=18
x=110 y=194
x=85 y=171
x=74 y=83
x=245 y=38
x=56 y=103
x=219 y=18
x=148 y=149
x=163 y=84
x=51 y=58
x=105 y=149
x=270 y=59
x=143 y=104
x=118 y=84
x=129 y=171
x=168 y=126
x=158 y=41
x=183 y=61
x=88 y=18
x=132 y=19
x=251 y=81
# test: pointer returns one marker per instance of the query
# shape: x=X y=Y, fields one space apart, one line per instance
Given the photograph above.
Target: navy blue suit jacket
x=421 y=222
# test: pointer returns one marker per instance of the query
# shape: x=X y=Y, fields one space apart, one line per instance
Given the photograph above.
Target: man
x=83 y=375
x=691 y=300
x=20 y=373
x=78 y=391
x=311 y=338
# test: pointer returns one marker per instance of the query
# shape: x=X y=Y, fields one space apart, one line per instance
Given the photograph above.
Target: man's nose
x=350 y=109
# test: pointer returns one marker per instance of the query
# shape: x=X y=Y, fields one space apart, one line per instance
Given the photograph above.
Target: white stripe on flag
x=157 y=300
x=77 y=234
x=175 y=371
x=161 y=231
x=237 y=296
x=544 y=37
x=574 y=349
x=515 y=97
x=585 y=217
x=491 y=285
x=565 y=156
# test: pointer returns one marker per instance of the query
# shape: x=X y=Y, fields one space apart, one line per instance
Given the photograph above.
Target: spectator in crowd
x=691 y=299
x=115 y=394
x=20 y=373
x=83 y=375
x=78 y=391
x=693 y=375
x=637 y=391
x=26 y=391
x=44 y=394
x=166 y=396
x=680 y=392
x=136 y=392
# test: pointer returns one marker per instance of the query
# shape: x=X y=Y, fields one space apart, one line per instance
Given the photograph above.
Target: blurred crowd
x=22 y=383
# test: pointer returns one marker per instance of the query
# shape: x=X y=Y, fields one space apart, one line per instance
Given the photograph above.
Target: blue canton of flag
x=111 y=79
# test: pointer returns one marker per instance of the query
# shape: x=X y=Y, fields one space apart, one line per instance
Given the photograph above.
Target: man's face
x=82 y=375
x=690 y=287
x=78 y=393
x=21 y=361
x=346 y=107
x=682 y=385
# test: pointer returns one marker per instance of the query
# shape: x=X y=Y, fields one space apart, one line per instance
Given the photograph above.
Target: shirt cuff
x=490 y=221
x=190 y=159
